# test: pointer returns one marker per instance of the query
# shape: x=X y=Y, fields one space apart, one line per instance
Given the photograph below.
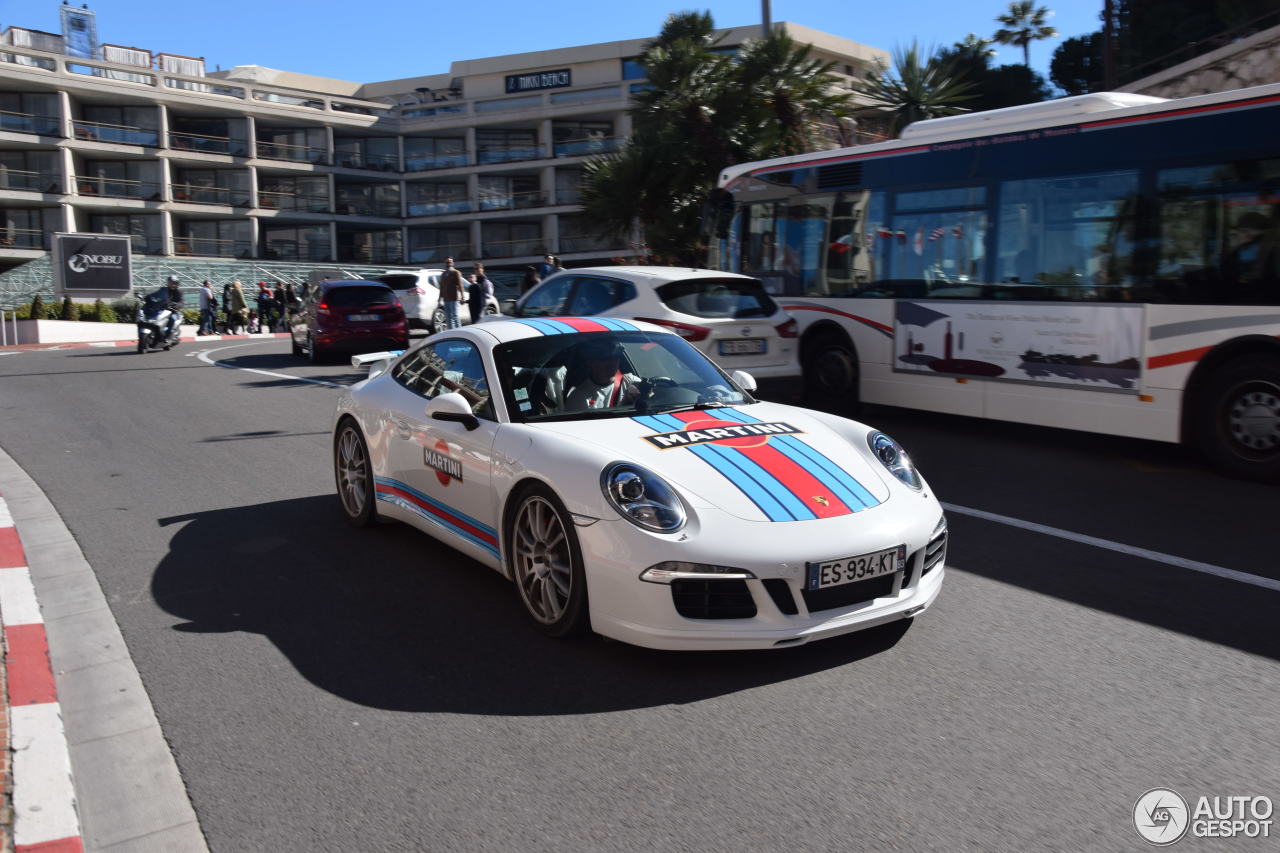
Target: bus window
x=934 y=244
x=1219 y=233
x=1067 y=237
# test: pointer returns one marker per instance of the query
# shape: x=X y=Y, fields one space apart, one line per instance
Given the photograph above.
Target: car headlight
x=893 y=457
x=642 y=497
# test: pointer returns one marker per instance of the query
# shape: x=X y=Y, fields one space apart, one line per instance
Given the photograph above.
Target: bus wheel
x=831 y=374
x=1239 y=425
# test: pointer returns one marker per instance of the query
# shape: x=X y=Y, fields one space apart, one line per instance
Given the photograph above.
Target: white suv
x=419 y=294
x=730 y=317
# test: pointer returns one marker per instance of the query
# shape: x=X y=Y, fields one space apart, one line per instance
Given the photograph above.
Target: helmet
x=173 y=279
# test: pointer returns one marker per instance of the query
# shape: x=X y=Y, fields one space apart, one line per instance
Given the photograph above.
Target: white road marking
x=206 y=357
x=1155 y=556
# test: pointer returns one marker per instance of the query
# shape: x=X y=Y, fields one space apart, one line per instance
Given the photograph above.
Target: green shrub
x=23 y=312
x=70 y=310
x=125 y=309
x=38 y=309
x=104 y=312
x=191 y=316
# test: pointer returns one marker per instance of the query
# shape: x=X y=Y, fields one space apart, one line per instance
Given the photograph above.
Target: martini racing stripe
x=405 y=496
x=806 y=496
x=757 y=492
x=570 y=325
x=839 y=480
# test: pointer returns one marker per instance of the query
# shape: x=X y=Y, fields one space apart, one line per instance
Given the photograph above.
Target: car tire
x=1238 y=419
x=353 y=476
x=293 y=342
x=545 y=561
x=830 y=368
x=437 y=321
x=313 y=350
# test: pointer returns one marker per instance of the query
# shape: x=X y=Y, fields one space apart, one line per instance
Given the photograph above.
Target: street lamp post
x=765 y=25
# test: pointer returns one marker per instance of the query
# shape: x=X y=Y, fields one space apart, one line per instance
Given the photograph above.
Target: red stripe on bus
x=30 y=673
x=1172 y=358
x=581 y=325
x=872 y=323
x=1183 y=112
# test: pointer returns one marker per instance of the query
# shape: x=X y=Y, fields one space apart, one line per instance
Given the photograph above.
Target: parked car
x=729 y=317
x=627 y=484
x=350 y=316
x=419 y=293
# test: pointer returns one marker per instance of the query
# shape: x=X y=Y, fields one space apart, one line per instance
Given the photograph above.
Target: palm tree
x=915 y=89
x=1023 y=24
x=704 y=110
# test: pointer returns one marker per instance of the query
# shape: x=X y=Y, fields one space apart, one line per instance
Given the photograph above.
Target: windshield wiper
x=696 y=407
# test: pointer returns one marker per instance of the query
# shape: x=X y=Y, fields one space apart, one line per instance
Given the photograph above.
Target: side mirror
x=509 y=306
x=452 y=407
x=745 y=380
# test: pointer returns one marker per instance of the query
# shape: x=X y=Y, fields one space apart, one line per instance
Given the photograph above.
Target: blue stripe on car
x=442 y=506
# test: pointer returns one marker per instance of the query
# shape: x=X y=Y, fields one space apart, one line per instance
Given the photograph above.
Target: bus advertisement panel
x=1108 y=242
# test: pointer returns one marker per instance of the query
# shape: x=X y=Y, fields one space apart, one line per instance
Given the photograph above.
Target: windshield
x=358 y=296
x=609 y=374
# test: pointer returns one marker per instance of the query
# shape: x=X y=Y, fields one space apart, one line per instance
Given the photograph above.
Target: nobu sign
x=540 y=80
x=92 y=262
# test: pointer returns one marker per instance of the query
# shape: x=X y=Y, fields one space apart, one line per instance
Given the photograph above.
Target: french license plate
x=367 y=318
x=744 y=346
x=831 y=573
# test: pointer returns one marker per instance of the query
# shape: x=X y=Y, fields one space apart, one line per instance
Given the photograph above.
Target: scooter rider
x=174 y=294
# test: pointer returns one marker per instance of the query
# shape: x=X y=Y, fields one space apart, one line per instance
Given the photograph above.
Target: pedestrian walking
x=237 y=310
x=478 y=292
x=226 y=309
x=208 y=310
x=529 y=280
x=555 y=264
x=266 y=306
x=547 y=267
x=453 y=293
x=281 y=307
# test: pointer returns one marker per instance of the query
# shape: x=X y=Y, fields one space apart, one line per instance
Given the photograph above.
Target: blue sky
x=390 y=39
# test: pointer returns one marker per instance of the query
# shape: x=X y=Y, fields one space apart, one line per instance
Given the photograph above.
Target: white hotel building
x=256 y=164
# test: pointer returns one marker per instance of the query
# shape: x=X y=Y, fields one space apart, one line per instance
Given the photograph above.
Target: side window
x=445 y=366
x=593 y=295
x=548 y=298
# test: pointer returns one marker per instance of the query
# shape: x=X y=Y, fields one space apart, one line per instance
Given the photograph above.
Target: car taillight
x=417 y=291
x=688 y=331
x=322 y=310
x=788 y=329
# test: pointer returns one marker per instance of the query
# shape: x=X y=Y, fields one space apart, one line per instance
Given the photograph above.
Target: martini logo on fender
x=442 y=463
x=723 y=432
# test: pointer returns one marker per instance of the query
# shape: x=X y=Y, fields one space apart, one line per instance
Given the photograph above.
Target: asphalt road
x=330 y=689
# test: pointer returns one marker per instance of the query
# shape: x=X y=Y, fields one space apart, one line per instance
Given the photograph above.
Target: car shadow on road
x=391 y=619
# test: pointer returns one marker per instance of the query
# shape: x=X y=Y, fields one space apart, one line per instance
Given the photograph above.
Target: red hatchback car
x=348 y=316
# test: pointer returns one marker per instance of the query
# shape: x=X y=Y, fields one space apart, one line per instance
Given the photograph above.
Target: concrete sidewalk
x=90 y=768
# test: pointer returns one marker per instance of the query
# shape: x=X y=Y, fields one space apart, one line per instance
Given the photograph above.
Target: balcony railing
x=22 y=238
x=29 y=123
x=96 y=131
x=566 y=195
x=144 y=245
x=293 y=250
x=589 y=145
x=441 y=207
x=88 y=185
x=425 y=162
x=512 y=201
x=513 y=248
x=295 y=153
x=203 y=194
x=211 y=247
x=426 y=254
x=508 y=154
x=205 y=143
x=374 y=162
x=360 y=207
x=271 y=200
x=36 y=182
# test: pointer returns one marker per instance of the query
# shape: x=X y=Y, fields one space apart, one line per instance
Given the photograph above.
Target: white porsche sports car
x=626 y=484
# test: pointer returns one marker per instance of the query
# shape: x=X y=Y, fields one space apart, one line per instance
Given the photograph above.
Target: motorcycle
x=158 y=323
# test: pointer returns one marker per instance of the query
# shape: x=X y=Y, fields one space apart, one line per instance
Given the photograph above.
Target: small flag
x=869 y=239
x=958 y=231
x=917 y=243
x=936 y=233
x=883 y=232
x=901 y=235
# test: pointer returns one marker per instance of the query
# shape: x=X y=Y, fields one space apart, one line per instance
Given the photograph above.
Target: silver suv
x=419 y=293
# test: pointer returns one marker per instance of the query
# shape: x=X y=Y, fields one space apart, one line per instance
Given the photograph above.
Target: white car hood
x=763 y=462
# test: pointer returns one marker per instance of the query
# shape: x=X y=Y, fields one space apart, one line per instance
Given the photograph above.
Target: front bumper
x=644 y=614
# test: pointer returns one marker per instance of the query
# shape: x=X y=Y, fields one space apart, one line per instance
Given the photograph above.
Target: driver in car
x=604 y=385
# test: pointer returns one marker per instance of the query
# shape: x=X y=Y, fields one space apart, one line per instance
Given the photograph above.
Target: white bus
x=1107 y=262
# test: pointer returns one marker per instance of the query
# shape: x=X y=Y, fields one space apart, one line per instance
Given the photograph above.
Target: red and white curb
x=134 y=342
x=45 y=819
